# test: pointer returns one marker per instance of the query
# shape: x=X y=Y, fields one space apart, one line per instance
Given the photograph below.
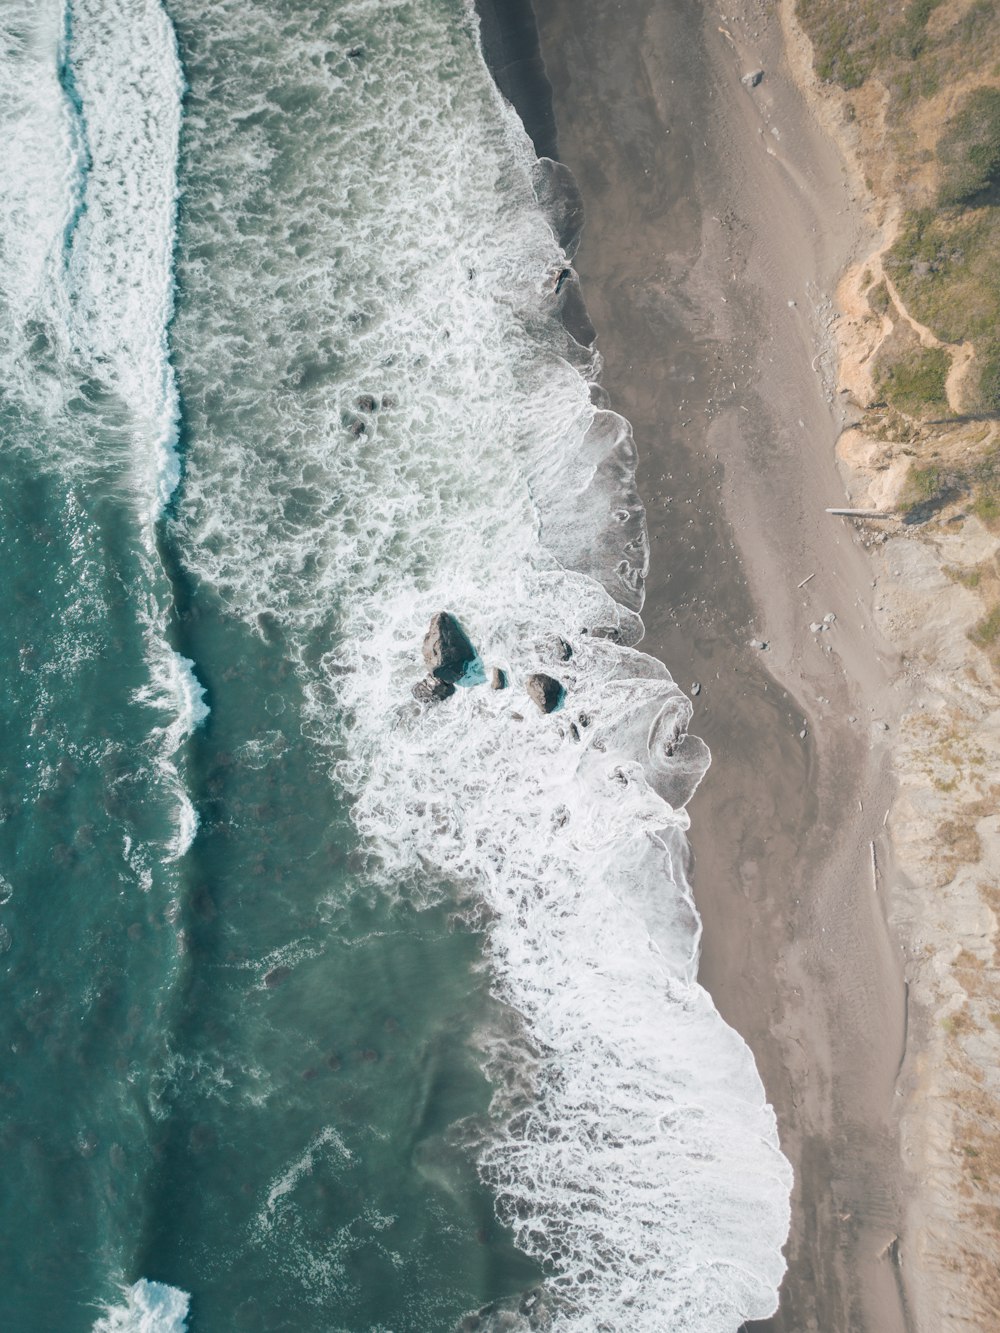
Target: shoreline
x=703 y=199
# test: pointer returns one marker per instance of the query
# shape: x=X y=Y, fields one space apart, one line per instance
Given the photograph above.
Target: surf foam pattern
x=124 y=89
x=382 y=241
x=90 y=94
x=147 y=1307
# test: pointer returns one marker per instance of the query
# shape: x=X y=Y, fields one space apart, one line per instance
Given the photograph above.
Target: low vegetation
x=987 y=631
x=947 y=269
x=969 y=149
x=946 y=262
x=916 y=383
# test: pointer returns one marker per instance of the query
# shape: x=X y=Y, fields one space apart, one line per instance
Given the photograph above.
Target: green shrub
x=987 y=631
x=986 y=506
x=969 y=148
x=946 y=267
x=879 y=299
x=916 y=383
x=923 y=485
x=988 y=360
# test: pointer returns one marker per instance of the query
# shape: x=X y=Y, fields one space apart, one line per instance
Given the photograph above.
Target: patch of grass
x=988 y=385
x=846 y=38
x=985 y=633
x=946 y=267
x=968 y=578
x=969 y=149
x=879 y=299
x=986 y=506
x=916 y=383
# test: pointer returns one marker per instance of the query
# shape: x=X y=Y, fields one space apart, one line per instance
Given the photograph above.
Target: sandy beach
x=718 y=219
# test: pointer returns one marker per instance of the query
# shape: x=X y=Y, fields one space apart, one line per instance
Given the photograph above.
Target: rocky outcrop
x=545 y=691
x=498 y=679
x=430 y=690
x=448 y=650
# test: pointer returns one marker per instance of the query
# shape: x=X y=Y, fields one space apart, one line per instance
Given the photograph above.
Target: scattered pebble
x=815 y=627
x=802 y=735
x=829 y=618
x=758 y=643
x=695 y=689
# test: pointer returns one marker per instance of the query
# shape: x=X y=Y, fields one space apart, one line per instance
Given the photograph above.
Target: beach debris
x=806 y=580
x=874 y=869
x=498 y=679
x=430 y=690
x=447 y=648
x=695 y=689
x=861 y=513
x=545 y=691
x=753 y=78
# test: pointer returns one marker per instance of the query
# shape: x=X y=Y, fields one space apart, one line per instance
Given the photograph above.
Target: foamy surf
x=115 y=289
x=409 y=428
x=147 y=1307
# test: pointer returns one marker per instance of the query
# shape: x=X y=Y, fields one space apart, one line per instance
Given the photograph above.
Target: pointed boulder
x=547 y=692
x=448 y=651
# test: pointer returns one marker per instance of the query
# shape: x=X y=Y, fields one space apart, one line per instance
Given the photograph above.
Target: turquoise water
x=326 y=1010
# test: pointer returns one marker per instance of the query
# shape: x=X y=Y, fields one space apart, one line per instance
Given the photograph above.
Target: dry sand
x=718 y=221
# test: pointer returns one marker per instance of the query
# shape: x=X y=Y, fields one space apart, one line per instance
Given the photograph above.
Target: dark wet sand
x=703 y=225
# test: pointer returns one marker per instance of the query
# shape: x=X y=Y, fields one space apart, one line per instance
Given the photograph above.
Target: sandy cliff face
x=936 y=562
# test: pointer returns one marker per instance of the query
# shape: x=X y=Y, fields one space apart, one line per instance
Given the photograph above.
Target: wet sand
x=718 y=219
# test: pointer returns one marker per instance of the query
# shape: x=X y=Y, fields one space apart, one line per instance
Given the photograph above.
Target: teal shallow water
x=333 y=1012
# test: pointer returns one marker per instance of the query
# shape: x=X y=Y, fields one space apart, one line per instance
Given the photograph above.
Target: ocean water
x=324 y=1009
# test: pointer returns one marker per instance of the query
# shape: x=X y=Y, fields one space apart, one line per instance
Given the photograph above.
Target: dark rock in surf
x=545 y=691
x=447 y=649
x=498 y=679
x=430 y=690
x=388 y=401
x=563 y=650
x=276 y=976
x=564 y=274
x=366 y=403
x=357 y=427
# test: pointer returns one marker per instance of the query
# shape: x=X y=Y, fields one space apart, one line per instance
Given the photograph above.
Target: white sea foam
x=147 y=1307
x=90 y=101
x=174 y=688
x=116 y=290
x=383 y=239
